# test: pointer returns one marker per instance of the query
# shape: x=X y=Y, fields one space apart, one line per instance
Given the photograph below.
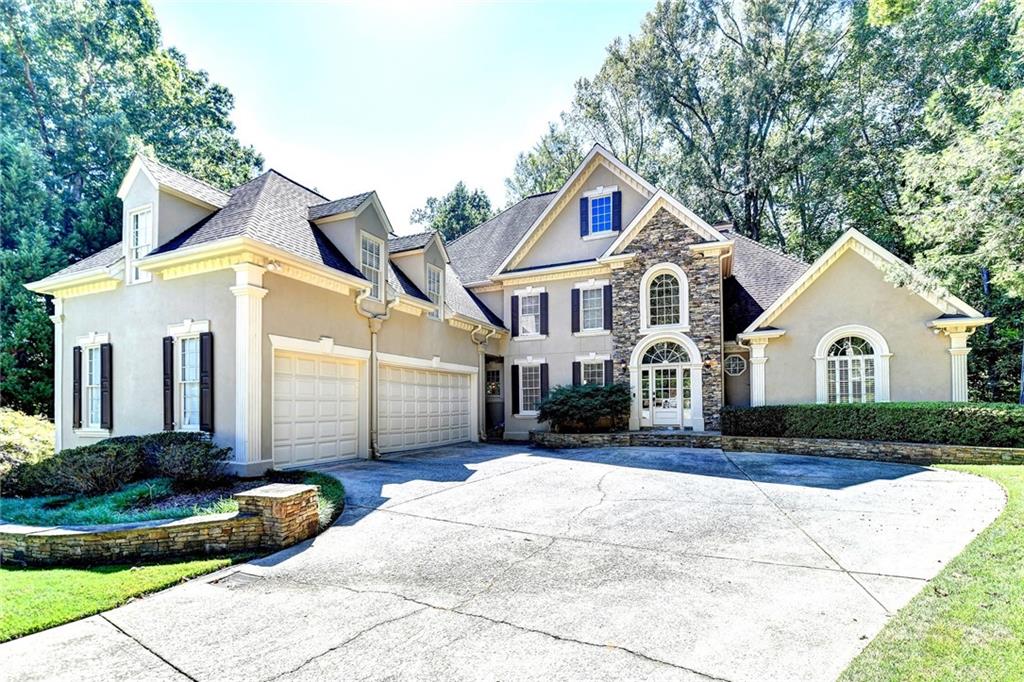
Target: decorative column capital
x=250 y=290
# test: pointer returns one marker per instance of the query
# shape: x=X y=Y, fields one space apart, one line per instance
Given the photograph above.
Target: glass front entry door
x=665 y=396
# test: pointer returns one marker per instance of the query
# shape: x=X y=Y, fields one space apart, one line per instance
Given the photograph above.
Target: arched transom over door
x=666 y=383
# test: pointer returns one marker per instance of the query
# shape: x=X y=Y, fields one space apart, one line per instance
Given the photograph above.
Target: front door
x=665 y=396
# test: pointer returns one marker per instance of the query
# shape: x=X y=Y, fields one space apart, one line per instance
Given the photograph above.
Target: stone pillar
x=249 y=295
x=288 y=511
x=758 y=357
x=958 y=352
x=58 y=372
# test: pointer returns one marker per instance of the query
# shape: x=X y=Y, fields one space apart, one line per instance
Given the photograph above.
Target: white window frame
x=725 y=365
x=378 y=284
x=438 y=297
x=487 y=383
x=591 y=285
x=591 y=196
x=523 y=294
x=89 y=343
x=186 y=330
x=881 y=360
x=532 y=362
x=584 y=364
x=645 y=299
x=131 y=276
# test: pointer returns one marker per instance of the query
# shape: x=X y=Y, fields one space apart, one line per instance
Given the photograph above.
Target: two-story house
x=299 y=329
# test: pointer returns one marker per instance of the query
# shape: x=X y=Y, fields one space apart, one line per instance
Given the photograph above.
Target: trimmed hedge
x=982 y=424
x=587 y=408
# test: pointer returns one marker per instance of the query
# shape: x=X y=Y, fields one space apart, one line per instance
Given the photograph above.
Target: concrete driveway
x=499 y=562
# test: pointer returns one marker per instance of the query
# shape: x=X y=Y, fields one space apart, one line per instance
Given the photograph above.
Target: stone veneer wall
x=269 y=517
x=664 y=239
x=912 y=453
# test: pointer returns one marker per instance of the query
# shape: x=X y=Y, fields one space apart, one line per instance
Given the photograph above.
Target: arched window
x=665 y=353
x=664 y=300
x=851 y=371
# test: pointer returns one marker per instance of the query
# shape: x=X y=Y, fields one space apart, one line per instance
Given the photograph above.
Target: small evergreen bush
x=981 y=424
x=99 y=468
x=586 y=409
x=192 y=463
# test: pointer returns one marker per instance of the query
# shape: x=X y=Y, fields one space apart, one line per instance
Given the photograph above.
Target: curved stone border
x=914 y=453
x=270 y=517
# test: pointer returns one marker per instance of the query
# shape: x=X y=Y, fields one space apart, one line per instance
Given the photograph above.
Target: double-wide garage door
x=420 y=408
x=316 y=409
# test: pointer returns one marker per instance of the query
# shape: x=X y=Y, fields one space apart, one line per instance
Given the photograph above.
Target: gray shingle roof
x=460 y=300
x=478 y=253
x=186 y=184
x=410 y=241
x=318 y=211
x=100 y=259
x=401 y=283
x=759 y=276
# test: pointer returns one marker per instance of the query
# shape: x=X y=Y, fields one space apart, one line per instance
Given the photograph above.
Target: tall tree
x=456 y=213
x=548 y=165
x=82 y=87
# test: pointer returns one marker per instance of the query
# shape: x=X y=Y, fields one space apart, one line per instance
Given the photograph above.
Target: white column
x=697 y=396
x=634 y=389
x=249 y=295
x=958 y=352
x=758 y=357
x=58 y=371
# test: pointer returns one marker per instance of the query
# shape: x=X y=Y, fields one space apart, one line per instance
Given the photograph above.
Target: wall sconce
x=274 y=266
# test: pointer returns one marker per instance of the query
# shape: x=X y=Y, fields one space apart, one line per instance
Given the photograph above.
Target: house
x=298 y=329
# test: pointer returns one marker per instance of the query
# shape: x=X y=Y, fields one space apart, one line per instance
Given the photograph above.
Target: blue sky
x=403 y=97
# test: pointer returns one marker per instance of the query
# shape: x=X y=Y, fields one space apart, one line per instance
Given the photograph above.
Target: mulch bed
x=202 y=498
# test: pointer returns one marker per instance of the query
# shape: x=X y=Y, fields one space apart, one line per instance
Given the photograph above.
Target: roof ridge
x=297 y=184
x=499 y=213
x=187 y=175
x=777 y=252
x=331 y=201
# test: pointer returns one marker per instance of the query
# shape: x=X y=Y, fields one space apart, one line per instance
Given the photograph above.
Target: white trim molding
x=434 y=363
x=188 y=327
x=58 y=372
x=324 y=346
x=93 y=339
x=529 y=360
x=695 y=365
x=593 y=357
x=959 y=330
x=881 y=357
x=645 y=301
x=662 y=199
x=249 y=293
x=758 y=343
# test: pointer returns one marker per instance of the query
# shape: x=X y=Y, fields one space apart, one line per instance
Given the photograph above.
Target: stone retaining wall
x=914 y=453
x=268 y=518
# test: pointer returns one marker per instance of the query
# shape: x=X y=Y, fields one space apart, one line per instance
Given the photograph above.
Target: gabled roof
x=338 y=206
x=401 y=283
x=462 y=301
x=945 y=303
x=410 y=242
x=100 y=259
x=271 y=209
x=759 y=276
x=597 y=155
x=477 y=254
x=662 y=199
x=167 y=178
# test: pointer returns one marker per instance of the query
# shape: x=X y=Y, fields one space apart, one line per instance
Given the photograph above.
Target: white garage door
x=420 y=408
x=316 y=409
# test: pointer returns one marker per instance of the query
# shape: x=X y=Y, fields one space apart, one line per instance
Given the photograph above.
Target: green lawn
x=33 y=599
x=968 y=623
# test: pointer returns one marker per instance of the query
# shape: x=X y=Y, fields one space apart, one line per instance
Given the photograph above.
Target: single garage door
x=420 y=408
x=316 y=409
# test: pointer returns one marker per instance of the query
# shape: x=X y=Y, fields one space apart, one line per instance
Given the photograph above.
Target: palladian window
x=663 y=300
x=851 y=371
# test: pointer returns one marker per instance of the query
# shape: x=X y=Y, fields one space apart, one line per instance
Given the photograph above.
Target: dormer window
x=601 y=214
x=435 y=291
x=370 y=263
x=140 y=241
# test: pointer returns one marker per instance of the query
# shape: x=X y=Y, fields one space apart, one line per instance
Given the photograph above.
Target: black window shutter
x=515 y=389
x=106 y=386
x=544 y=313
x=168 y=383
x=577 y=374
x=609 y=371
x=76 y=387
x=584 y=217
x=575 y=310
x=617 y=211
x=515 y=316
x=206 y=382
x=607 y=306
x=544 y=381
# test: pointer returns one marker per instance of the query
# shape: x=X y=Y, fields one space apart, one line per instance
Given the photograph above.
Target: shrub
x=192 y=463
x=586 y=408
x=23 y=439
x=155 y=443
x=983 y=424
x=99 y=468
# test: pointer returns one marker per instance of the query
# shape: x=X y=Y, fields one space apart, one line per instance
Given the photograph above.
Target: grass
x=968 y=623
x=123 y=506
x=33 y=599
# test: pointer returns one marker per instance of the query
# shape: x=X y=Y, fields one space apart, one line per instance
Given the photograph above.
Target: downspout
x=375 y=321
x=481 y=417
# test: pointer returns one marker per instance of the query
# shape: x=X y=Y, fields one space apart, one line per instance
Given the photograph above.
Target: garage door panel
x=316 y=409
x=420 y=408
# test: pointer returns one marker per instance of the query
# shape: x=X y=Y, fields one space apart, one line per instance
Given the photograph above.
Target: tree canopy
x=83 y=86
x=456 y=213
